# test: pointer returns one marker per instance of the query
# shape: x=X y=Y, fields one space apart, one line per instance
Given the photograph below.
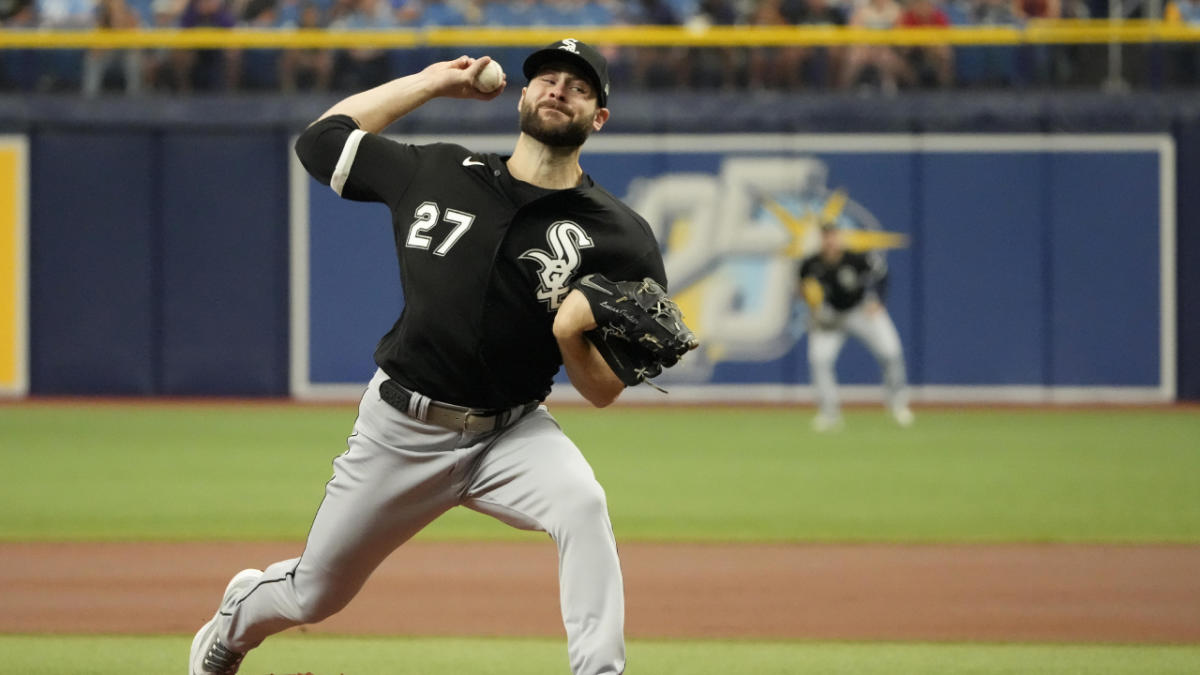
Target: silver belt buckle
x=484 y=423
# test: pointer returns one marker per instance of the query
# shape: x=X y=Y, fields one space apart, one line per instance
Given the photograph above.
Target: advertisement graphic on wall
x=1021 y=268
x=14 y=252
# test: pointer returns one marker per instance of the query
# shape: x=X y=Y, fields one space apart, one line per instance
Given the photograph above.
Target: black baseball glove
x=639 y=330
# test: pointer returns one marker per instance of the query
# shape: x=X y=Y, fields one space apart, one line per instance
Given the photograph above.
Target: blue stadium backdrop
x=1023 y=267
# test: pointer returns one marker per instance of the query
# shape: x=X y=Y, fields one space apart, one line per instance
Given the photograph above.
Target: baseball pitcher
x=511 y=267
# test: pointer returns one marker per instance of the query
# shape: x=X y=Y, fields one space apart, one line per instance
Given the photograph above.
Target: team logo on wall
x=558 y=265
x=734 y=241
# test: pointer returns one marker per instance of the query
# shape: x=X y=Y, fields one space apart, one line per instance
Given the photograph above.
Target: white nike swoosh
x=586 y=281
x=471 y=162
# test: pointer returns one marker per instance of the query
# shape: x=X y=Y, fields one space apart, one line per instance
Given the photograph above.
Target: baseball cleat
x=823 y=423
x=903 y=416
x=209 y=656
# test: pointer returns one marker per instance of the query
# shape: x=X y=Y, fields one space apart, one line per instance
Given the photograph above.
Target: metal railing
x=1064 y=31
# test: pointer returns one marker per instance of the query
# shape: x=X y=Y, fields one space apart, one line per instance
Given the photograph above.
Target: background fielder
x=489 y=249
x=844 y=293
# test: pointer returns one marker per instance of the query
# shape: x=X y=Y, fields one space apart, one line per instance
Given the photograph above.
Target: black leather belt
x=448 y=415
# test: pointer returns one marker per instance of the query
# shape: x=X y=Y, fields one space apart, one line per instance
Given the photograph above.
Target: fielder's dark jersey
x=485 y=259
x=847 y=281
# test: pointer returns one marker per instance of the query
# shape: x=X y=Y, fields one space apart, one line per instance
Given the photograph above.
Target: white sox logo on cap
x=587 y=58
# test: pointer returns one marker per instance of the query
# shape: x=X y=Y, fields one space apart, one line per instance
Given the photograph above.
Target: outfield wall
x=174 y=250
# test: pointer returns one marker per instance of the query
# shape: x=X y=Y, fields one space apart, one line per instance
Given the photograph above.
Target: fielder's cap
x=592 y=62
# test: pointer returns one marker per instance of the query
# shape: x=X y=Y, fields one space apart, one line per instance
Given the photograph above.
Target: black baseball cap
x=591 y=61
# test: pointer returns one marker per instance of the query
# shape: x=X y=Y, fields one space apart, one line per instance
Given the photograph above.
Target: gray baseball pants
x=878 y=333
x=399 y=474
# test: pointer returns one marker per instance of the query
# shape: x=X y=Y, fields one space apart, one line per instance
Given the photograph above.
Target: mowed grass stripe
x=131 y=471
x=67 y=655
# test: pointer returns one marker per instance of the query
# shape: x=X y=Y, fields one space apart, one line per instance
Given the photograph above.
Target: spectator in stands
x=827 y=59
x=715 y=66
x=157 y=62
x=435 y=13
x=932 y=65
x=883 y=60
x=1070 y=59
x=61 y=69
x=360 y=69
x=206 y=69
x=66 y=14
x=17 y=14
x=994 y=65
x=307 y=69
x=577 y=13
x=512 y=13
x=795 y=65
x=507 y=13
x=1043 y=58
x=1183 y=12
x=261 y=67
x=764 y=68
x=994 y=13
x=1186 y=12
x=1185 y=58
x=18 y=67
x=443 y=13
x=655 y=67
x=407 y=12
x=113 y=14
x=1037 y=9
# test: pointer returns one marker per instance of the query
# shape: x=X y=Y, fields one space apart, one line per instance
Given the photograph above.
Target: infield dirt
x=1026 y=593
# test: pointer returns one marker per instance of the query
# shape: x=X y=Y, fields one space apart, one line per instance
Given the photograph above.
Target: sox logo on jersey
x=565 y=238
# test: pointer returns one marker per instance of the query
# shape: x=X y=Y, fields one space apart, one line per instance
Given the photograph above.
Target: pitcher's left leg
x=534 y=478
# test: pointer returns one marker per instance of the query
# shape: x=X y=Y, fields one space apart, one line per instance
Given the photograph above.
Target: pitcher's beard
x=569 y=135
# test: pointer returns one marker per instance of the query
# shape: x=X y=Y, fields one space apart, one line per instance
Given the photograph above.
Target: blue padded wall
x=159 y=236
x=225 y=229
x=93 y=263
x=1091 y=270
x=982 y=280
x=159 y=263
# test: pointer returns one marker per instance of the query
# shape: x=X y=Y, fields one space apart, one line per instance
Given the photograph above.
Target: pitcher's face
x=558 y=107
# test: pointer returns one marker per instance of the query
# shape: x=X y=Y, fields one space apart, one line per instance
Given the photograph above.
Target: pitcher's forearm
x=588 y=372
x=375 y=109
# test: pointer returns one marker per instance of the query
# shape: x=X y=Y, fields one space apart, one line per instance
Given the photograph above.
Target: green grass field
x=257 y=471
x=48 y=655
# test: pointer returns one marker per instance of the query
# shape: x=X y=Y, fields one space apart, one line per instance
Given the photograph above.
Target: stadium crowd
x=864 y=68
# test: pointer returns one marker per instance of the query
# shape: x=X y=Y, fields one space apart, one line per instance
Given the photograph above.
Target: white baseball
x=490 y=77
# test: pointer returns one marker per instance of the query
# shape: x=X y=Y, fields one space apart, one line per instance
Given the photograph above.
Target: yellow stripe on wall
x=13 y=281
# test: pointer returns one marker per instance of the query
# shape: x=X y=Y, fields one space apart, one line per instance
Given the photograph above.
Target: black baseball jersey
x=485 y=259
x=847 y=281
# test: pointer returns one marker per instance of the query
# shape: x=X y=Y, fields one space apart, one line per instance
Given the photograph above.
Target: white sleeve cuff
x=342 y=171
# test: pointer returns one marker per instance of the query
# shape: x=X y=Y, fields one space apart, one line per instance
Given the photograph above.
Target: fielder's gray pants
x=399 y=474
x=878 y=333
